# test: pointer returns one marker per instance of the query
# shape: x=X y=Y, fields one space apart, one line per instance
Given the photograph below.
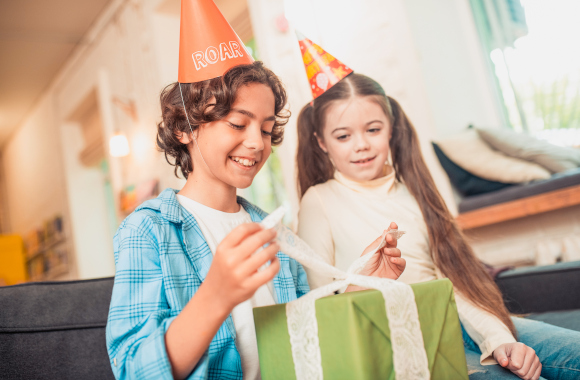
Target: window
x=532 y=46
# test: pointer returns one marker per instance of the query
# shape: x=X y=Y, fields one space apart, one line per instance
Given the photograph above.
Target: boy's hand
x=520 y=359
x=233 y=276
x=386 y=263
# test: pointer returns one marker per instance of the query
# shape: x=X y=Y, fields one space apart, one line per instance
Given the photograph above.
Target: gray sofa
x=56 y=330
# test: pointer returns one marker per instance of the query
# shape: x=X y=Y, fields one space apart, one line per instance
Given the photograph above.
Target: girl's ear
x=320 y=143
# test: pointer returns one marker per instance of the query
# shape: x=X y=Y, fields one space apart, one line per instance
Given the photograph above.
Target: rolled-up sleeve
x=486 y=330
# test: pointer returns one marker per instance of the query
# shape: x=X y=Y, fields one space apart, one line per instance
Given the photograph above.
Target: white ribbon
x=409 y=356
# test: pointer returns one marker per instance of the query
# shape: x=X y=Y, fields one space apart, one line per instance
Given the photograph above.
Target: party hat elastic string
x=191 y=129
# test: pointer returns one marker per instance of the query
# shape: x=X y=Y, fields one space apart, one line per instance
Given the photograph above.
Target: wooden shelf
x=45 y=247
x=519 y=208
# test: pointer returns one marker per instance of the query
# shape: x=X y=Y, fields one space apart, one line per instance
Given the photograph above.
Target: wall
x=34 y=175
x=425 y=55
x=457 y=81
x=42 y=173
x=382 y=46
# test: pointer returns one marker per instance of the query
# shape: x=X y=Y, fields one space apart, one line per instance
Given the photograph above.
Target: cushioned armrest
x=541 y=289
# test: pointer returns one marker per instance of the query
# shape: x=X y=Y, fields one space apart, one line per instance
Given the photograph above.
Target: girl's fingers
x=392 y=252
x=394 y=226
x=255 y=261
x=528 y=359
x=398 y=261
x=372 y=246
x=533 y=368
x=538 y=372
x=391 y=241
x=262 y=277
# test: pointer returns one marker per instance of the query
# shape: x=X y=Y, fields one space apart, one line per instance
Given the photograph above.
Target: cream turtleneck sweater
x=341 y=217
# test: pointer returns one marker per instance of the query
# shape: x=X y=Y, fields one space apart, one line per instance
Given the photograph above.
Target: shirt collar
x=381 y=185
x=171 y=210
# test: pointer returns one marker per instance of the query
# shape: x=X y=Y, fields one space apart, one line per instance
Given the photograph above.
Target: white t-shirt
x=215 y=225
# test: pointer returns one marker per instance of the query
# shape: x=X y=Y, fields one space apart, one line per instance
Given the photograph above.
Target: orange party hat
x=208 y=46
x=322 y=69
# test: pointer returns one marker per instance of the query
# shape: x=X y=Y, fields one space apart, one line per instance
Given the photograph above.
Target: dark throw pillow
x=463 y=181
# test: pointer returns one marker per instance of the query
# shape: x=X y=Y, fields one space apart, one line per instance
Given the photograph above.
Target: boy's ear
x=321 y=143
x=184 y=138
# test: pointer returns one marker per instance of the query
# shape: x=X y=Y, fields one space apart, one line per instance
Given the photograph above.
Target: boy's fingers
x=238 y=234
x=253 y=242
x=255 y=262
x=262 y=277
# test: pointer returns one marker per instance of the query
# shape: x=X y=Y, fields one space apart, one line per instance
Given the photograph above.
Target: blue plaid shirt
x=161 y=259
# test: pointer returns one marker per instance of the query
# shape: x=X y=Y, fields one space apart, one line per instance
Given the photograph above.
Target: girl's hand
x=233 y=276
x=386 y=263
x=520 y=359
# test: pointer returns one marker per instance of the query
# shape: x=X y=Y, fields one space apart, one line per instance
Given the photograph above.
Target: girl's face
x=235 y=148
x=356 y=136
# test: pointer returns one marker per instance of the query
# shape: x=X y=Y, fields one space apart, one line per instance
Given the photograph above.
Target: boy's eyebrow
x=252 y=116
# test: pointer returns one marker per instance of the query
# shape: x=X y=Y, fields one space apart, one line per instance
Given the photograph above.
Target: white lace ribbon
x=409 y=356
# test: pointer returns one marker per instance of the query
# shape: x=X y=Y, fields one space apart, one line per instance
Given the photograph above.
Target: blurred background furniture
x=12 y=260
x=519 y=206
x=56 y=330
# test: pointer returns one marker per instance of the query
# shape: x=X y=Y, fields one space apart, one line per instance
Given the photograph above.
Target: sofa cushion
x=55 y=330
x=568 y=319
x=556 y=182
x=555 y=158
x=463 y=181
x=469 y=151
x=541 y=289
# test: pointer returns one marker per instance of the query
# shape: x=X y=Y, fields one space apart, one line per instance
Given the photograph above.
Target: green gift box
x=354 y=335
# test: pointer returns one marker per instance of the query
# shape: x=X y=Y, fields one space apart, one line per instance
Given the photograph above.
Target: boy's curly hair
x=209 y=101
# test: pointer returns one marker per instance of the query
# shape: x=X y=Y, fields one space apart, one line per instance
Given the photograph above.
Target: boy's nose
x=254 y=139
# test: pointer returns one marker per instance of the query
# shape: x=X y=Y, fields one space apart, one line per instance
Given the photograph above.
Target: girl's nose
x=361 y=143
x=254 y=139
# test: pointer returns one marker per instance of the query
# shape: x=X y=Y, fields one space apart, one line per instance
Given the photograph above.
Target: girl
x=359 y=166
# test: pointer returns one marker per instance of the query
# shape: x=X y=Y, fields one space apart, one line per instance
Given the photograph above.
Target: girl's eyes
x=374 y=130
x=342 y=137
x=266 y=133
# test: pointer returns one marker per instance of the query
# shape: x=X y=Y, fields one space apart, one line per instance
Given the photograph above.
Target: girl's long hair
x=449 y=250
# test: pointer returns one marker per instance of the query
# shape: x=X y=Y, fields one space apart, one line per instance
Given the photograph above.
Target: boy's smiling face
x=235 y=148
